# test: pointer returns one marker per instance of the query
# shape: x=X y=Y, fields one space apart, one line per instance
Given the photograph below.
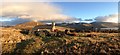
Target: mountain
x=104 y=24
x=79 y=26
x=34 y=25
x=82 y=26
x=27 y=25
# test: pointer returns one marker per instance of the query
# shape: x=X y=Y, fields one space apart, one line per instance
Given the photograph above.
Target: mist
x=109 y=18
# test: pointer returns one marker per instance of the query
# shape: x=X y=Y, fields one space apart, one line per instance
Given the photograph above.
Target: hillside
x=32 y=24
x=27 y=25
x=13 y=42
x=104 y=24
x=82 y=26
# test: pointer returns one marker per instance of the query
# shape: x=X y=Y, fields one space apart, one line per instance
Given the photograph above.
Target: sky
x=59 y=11
x=59 y=0
x=88 y=10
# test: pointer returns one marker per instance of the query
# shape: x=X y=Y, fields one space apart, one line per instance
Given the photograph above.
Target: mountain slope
x=83 y=26
x=27 y=25
x=104 y=24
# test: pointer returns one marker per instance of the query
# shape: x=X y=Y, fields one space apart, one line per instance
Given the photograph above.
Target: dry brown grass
x=13 y=41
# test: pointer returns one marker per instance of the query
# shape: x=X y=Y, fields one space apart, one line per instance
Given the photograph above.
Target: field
x=14 y=42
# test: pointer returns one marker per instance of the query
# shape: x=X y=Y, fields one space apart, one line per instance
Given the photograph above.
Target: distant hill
x=77 y=25
x=82 y=26
x=104 y=24
x=32 y=24
x=27 y=25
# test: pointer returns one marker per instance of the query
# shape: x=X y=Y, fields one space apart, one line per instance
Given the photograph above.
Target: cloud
x=33 y=11
x=110 y=18
x=60 y=0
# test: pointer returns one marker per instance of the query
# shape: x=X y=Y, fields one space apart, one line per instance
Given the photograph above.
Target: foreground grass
x=108 y=44
x=70 y=44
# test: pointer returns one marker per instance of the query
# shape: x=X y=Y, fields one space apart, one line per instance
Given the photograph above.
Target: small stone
x=102 y=51
x=18 y=40
x=10 y=41
x=74 y=47
x=42 y=52
x=22 y=38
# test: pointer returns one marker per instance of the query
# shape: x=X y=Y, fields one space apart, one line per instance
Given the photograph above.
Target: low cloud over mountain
x=110 y=18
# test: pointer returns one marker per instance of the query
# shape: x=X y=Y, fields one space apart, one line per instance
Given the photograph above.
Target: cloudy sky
x=12 y=13
x=59 y=0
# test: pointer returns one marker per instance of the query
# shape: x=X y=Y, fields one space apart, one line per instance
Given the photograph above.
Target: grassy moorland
x=14 y=42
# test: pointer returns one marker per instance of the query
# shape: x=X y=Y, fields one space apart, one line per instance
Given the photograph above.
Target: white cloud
x=60 y=0
x=33 y=11
x=110 y=18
